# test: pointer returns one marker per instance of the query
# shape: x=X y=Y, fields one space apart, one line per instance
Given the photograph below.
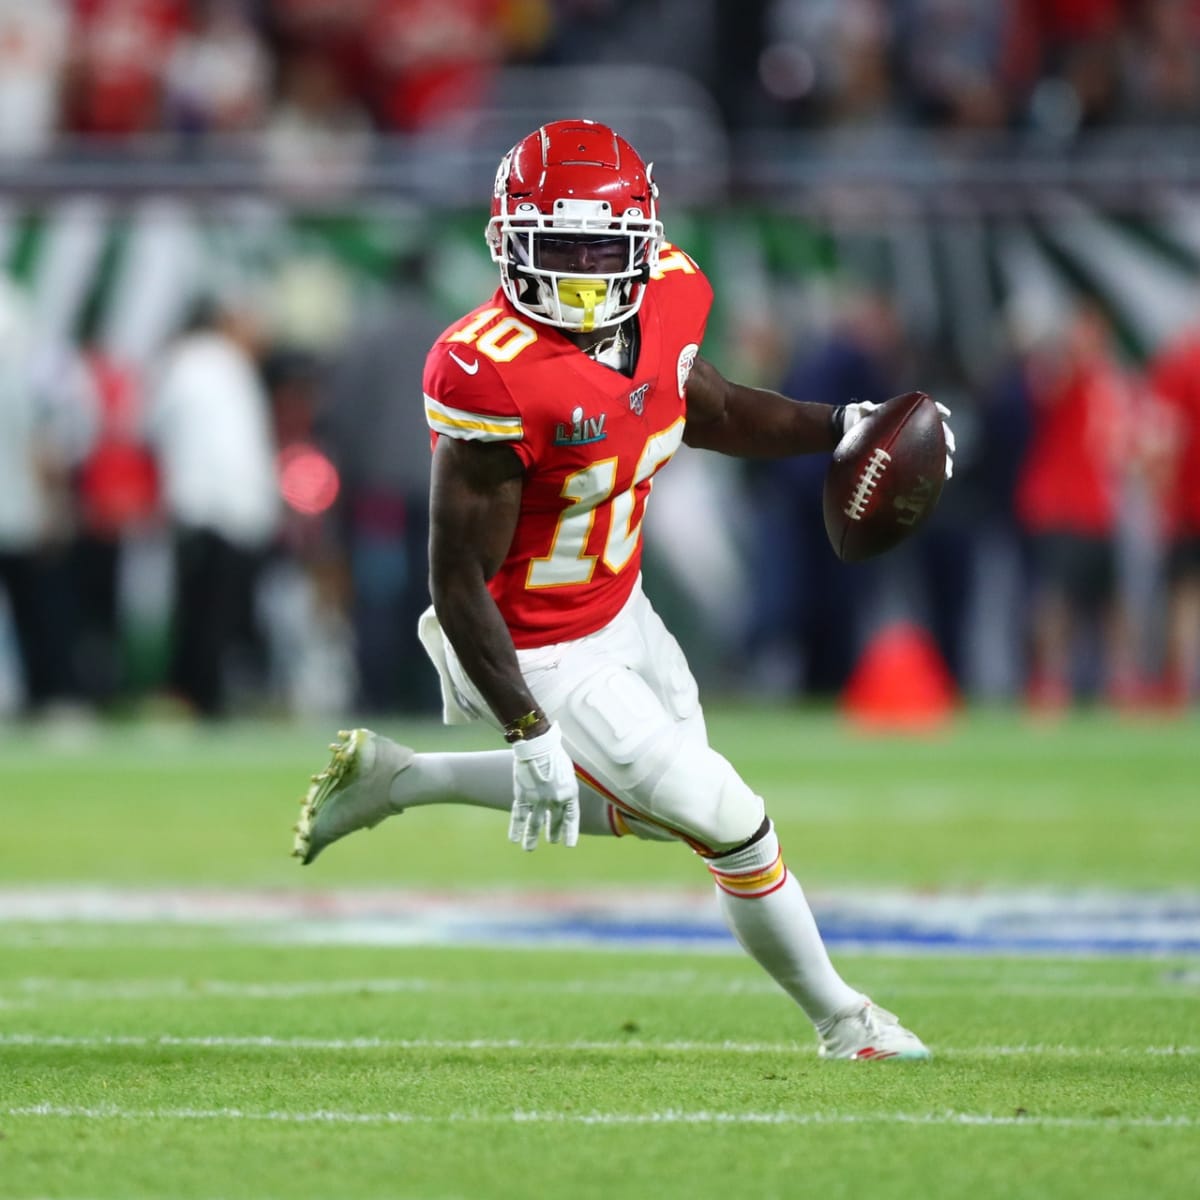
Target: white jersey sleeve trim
x=469 y=426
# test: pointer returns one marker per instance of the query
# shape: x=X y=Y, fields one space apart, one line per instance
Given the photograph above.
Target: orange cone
x=900 y=682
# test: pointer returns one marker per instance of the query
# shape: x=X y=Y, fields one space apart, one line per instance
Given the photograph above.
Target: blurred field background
x=229 y=230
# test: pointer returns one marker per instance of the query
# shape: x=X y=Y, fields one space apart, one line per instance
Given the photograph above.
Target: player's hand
x=545 y=792
x=853 y=413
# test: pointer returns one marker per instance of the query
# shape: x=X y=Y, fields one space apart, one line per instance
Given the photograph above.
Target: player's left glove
x=545 y=792
x=948 y=434
x=849 y=415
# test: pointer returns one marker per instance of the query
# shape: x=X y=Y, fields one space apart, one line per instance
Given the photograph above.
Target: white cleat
x=866 y=1031
x=352 y=792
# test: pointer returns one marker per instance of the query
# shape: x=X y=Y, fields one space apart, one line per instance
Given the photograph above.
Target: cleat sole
x=343 y=762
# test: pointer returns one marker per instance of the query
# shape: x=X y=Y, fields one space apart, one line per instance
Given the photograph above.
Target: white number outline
x=671 y=258
x=503 y=342
x=567 y=563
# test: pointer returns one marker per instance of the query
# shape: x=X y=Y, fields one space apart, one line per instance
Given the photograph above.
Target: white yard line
x=801 y=1045
x=551 y=1117
x=34 y=991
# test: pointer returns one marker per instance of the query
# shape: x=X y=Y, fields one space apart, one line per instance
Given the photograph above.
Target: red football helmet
x=580 y=180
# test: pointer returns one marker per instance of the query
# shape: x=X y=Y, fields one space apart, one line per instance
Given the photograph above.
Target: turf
x=157 y=1060
x=993 y=799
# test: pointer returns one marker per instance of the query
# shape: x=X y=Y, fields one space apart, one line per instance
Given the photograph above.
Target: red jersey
x=1069 y=479
x=122 y=47
x=1175 y=380
x=590 y=439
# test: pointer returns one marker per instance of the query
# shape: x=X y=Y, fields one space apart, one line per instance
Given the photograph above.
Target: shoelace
x=878 y=1019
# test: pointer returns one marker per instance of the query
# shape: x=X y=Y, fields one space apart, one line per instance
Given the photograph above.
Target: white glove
x=545 y=792
x=853 y=413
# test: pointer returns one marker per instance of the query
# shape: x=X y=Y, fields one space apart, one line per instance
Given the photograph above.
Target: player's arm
x=750 y=422
x=475 y=497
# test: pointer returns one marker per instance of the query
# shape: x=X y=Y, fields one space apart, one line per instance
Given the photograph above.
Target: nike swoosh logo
x=471 y=369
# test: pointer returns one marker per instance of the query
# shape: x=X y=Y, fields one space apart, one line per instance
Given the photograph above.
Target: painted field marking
x=1000 y=921
x=269 y=1042
x=551 y=1117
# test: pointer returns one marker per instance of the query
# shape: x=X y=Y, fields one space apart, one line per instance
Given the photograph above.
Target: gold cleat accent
x=351 y=793
x=322 y=784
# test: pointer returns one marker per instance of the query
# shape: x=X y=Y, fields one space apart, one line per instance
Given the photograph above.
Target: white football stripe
x=550 y=1117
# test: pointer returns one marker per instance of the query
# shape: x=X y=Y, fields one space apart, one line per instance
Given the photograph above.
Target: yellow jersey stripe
x=469 y=426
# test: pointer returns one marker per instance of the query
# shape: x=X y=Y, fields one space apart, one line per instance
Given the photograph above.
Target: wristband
x=837 y=423
x=517 y=730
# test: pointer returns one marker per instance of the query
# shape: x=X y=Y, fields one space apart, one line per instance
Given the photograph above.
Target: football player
x=552 y=406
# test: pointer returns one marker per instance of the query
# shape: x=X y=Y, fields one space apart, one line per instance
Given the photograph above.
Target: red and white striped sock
x=768 y=913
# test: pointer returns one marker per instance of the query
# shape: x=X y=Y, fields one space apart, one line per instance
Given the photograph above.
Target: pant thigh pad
x=620 y=731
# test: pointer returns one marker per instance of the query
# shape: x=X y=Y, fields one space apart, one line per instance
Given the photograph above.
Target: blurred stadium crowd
x=231 y=516
x=293 y=69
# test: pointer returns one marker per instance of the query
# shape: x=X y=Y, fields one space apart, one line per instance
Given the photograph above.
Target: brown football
x=885 y=477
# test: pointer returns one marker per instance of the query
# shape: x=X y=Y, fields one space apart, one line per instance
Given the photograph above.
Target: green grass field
x=218 y=1059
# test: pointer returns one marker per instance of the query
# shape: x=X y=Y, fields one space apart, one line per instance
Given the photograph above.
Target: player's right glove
x=545 y=792
x=849 y=415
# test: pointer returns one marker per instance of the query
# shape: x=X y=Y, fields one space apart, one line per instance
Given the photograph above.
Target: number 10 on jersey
x=590 y=499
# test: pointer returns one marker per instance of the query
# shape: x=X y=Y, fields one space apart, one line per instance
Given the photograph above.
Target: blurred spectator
x=803 y=627
x=304 y=596
x=373 y=425
x=33 y=55
x=1004 y=422
x=934 y=576
x=1175 y=382
x=956 y=61
x=1067 y=502
x=1162 y=63
x=860 y=76
x=210 y=423
x=428 y=60
x=34 y=514
x=218 y=75
x=318 y=138
x=330 y=28
x=1074 y=47
x=115 y=495
x=819 y=61
x=120 y=49
x=528 y=28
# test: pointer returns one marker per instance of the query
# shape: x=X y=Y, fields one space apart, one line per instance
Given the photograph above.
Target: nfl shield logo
x=637 y=399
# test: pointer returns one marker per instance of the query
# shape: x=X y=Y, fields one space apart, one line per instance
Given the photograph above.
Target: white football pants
x=630 y=714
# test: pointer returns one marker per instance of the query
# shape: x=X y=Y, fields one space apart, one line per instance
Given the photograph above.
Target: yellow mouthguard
x=585 y=294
